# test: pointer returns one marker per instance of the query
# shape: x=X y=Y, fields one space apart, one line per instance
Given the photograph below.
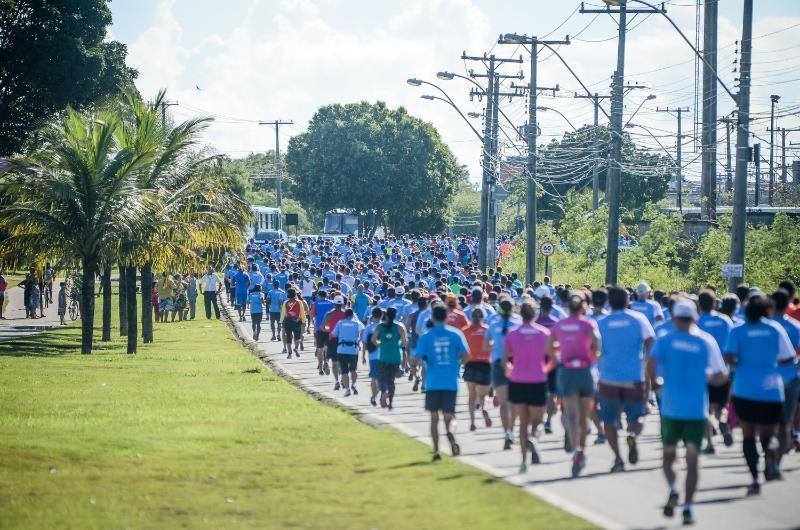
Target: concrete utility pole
x=531 y=214
x=164 y=105
x=709 y=141
x=757 y=162
x=728 y=121
x=595 y=150
x=277 y=124
x=773 y=101
x=679 y=172
x=742 y=135
x=784 y=166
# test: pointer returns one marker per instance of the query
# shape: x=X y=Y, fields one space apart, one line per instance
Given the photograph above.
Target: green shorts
x=690 y=431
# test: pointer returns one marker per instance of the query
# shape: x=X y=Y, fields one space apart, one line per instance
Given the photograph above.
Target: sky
x=242 y=61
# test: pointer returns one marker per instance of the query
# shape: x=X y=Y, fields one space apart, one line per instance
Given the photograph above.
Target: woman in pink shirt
x=525 y=361
x=578 y=341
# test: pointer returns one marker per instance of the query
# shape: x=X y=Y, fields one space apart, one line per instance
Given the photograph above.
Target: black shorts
x=348 y=363
x=331 y=353
x=718 y=395
x=758 y=412
x=444 y=400
x=275 y=316
x=478 y=373
x=321 y=339
x=531 y=394
x=552 y=380
x=292 y=327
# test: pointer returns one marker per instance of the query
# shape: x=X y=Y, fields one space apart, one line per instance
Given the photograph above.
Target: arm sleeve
x=647 y=330
x=785 y=350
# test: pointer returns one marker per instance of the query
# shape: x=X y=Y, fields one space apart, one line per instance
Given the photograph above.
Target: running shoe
x=326 y=369
x=709 y=450
x=288 y=356
x=578 y=463
x=410 y=376
x=534 y=455
x=472 y=427
x=600 y=440
x=321 y=372
x=567 y=445
x=347 y=393
x=753 y=489
x=296 y=353
x=416 y=385
x=273 y=339
x=389 y=407
x=301 y=348
x=687 y=518
x=548 y=429
x=727 y=437
x=454 y=447
x=337 y=386
x=486 y=419
x=384 y=399
x=355 y=390
x=633 y=451
x=284 y=351
x=508 y=442
x=618 y=467
x=672 y=502
x=436 y=457
x=770 y=469
x=523 y=468
x=373 y=402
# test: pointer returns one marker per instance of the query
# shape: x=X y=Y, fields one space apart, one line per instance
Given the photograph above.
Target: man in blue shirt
x=680 y=364
x=644 y=305
x=320 y=308
x=277 y=297
x=348 y=332
x=791 y=381
x=627 y=336
x=443 y=349
x=241 y=282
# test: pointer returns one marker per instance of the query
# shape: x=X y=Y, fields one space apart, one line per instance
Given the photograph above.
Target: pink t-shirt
x=527 y=344
x=574 y=336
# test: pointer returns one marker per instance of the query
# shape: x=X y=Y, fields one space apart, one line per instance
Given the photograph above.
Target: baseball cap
x=642 y=288
x=307 y=274
x=399 y=291
x=338 y=300
x=541 y=292
x=684 y=309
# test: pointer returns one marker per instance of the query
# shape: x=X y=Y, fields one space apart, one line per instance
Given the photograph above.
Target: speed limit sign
x=547 y=248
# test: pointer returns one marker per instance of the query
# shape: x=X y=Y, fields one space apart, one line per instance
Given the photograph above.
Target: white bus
x=267 y=224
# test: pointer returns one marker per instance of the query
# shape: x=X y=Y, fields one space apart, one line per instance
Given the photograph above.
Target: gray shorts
x=575 y=381
x=791 y=392
x=498 y=375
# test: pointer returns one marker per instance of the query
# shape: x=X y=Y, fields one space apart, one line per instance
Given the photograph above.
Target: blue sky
x=259 y=59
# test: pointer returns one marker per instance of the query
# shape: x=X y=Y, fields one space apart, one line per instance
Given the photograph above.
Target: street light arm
x=560 y=114
x=657 y=141
x=511 y=123
x=578 y=79
x=480 y=137
x=637 y=110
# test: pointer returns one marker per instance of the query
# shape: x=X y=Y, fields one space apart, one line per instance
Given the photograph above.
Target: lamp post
x=545 y=109
x=650 y=97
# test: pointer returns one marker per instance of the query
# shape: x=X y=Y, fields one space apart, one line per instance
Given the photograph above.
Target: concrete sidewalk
x=628 y=500
x=15 y=325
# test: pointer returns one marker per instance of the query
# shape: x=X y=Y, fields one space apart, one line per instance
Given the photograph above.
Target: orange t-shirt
x=457 y=319
x=475 y=334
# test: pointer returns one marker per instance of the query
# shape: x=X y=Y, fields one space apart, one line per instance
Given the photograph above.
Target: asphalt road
x=632 y=499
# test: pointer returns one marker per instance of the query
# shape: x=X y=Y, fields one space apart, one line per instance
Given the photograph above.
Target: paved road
x=629 y=500
x=16 y=325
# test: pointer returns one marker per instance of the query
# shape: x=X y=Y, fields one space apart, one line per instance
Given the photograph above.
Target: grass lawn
x=195 y=432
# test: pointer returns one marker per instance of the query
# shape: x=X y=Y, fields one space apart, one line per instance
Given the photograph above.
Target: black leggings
x=255 y=319
x=386 y=375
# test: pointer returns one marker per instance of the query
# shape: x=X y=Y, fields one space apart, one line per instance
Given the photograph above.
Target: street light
x=413 y=82
x=474 y=114
x=544 y=109
x=648 y=98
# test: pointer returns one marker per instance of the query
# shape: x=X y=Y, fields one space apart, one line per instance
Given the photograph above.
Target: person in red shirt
x=455 y=316
x=794 y=304
x=329 y=322
x=478 y=370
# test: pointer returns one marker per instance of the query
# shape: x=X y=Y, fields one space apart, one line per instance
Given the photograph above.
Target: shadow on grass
x=56 y=343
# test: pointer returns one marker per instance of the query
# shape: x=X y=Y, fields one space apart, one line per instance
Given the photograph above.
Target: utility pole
x=277 y=124
x=164 y=105
x=531 y=214
x=596 y=163
x=708 y=177
x=757 y=162
x=742 y=135
x=773 y=101
x=679 y=172
x=784 y=166
x=488 y=145
x=615 y=169
x=728 y=121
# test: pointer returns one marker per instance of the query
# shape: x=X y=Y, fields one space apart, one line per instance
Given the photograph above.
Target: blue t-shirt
x=361 y=305
x=366 y=336
x=256 y=302
x=497 y=336
x=348 y=332
x=792 y=328
x=648 y=308
x=441 y=348
x=283 y=279
x=684 y=361
x=757 y=348
x=662 y=328
x=716 y=325
x=623 y=334
x=321 y=308
x=240 y=279
x=276 y=299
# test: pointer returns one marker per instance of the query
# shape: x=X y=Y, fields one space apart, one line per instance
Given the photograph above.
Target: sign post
x=547 y=249
x=733 y=270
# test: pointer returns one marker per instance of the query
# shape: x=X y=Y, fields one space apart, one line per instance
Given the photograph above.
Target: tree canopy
x=53 y=55
x=375 y=161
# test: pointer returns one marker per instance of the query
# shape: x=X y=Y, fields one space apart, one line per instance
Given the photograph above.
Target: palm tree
x=77 y=195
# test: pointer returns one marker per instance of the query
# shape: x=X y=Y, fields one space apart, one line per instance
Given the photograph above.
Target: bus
x=267 y=224
x=340 y=222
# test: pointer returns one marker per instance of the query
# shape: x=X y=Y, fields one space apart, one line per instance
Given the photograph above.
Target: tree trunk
x=130 y=280
x=87 y=304
x=123 y=303
x=107 y=303
x=147 y=303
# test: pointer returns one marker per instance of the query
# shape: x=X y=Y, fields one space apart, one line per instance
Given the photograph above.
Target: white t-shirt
x=210 y=283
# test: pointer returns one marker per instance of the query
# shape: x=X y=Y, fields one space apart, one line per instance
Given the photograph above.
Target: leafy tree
x=466 y=208
x=53 y=54
x=375 y=161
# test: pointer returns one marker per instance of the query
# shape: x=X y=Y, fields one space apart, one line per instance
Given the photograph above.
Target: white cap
x=684 y=309
x=399 y=291
x=307 y=274
x=541 y=292
x=338 y=300
x=642 y=288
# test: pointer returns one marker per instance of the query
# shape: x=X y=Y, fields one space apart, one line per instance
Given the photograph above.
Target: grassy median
x=195 y=432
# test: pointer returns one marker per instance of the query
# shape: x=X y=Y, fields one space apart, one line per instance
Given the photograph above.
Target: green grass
x=195 y=432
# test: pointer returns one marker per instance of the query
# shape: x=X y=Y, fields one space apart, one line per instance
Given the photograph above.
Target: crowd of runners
x=418 y=308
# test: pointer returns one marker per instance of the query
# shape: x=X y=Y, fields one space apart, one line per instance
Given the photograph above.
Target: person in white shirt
x=210 y=283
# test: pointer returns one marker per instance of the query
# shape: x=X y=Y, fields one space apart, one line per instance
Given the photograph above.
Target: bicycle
x=73 y=299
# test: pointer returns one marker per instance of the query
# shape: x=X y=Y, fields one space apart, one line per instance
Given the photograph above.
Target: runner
x=626 y=336
x=443 y=349
x=495 y=339
x=756 y=348
x=293 y=319
x=646 y=306
x=256 y=310
x=276 y=297
x=390 y=337
x=577 y=339
x=680 y=364
x=478 y=370
x=371 y=350
x=329 y=322
x=525 y=361
x=348 y=334
x=547 y=320
x=320 y=309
